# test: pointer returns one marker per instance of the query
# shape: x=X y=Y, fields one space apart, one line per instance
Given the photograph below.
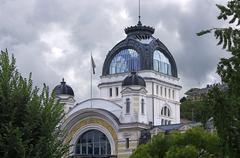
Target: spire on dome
x=139 y=29
x=63 y=80
x=139 y=13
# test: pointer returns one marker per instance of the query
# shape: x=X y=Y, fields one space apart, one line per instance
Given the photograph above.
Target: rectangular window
x=166 y=122
x=116 y=91
x=127 y=106
x=162 y=122
x=169 y=93
x=127 y=143
x=110 y=92
x=157 y=89
x=161 y=91
x=142 y=106
x=165 y=91
x=173 y=95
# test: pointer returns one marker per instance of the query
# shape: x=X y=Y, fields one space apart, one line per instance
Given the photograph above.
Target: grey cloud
x=97 y=26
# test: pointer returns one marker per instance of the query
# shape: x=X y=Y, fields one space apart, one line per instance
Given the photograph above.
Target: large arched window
x=93 y=142
x=126 y=60
x=161 y=63
x=165 y=111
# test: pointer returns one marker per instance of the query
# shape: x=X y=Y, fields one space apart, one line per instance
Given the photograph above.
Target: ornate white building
x=139 y=90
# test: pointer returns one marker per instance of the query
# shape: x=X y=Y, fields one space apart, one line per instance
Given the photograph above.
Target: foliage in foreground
x=194 y=143
x=199 y=111
x=226 y=105
x=29 y=118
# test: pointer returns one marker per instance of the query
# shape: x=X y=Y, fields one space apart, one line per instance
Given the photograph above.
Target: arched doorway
x=93 y=143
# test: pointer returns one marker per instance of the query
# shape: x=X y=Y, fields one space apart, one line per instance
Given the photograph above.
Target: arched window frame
x=87 y=145
x=161 y=63
x=126 y=60
x=165 y=111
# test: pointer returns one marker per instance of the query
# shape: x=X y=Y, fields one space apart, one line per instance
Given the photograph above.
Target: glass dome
x=126 y=60
x=140 y=50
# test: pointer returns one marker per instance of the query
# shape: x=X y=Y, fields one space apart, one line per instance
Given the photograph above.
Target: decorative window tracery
x=126 y=60
x=161 y=63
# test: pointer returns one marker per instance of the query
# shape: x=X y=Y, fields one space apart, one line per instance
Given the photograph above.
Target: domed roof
x=134 y=79
x=63 y=88
x=138 y=51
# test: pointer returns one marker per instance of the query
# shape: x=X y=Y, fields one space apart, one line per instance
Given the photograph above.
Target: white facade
x=162 y=90
x=111 y=124
x=109 y=114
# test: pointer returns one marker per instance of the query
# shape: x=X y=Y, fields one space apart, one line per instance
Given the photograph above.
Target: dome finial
x=63 y=88
x=139 y=14
x=63 y=81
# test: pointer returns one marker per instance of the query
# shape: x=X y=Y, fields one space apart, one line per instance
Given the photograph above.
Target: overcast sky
x=54 y=38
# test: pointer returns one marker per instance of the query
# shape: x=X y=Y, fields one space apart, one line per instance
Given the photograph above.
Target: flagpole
x=91 y=78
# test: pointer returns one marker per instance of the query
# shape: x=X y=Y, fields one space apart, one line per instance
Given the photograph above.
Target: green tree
x=199 y=111
x=194 y=143
x=227 y=104
x=30 y=119
x=188 y=151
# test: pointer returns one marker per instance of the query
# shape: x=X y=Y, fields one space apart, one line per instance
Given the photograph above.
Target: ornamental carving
x=90 y=121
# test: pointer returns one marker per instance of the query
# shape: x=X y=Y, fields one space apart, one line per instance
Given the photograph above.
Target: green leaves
x=226 y=105
x=194 y=143
x=199 y=110
x=188 y=151
x=29 y=118
x=203 y=32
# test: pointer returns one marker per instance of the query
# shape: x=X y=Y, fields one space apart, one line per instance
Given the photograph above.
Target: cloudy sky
x=53 y=39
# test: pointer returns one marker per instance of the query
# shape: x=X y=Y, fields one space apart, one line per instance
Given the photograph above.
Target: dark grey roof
x=134 y=79
x=135 y=35
x=63 y=88
x=170 y=127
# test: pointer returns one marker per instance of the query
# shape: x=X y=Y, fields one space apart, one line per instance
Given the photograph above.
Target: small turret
x=64 y=94
x=134 y=99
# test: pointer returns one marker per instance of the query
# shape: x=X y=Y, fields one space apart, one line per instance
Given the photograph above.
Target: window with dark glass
x=127 y=143
x=157 y=89
x=173 y=94
x=110 y=92
x=162 y=122
x=126 y=60
x=127 y=105
x=161 y=91
x=93 y=142
x=169 y=93
x=116 y=91
x=165 y=91
x=166 y=122
x=142 y=106
x=165 y=111
x=161 y=63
